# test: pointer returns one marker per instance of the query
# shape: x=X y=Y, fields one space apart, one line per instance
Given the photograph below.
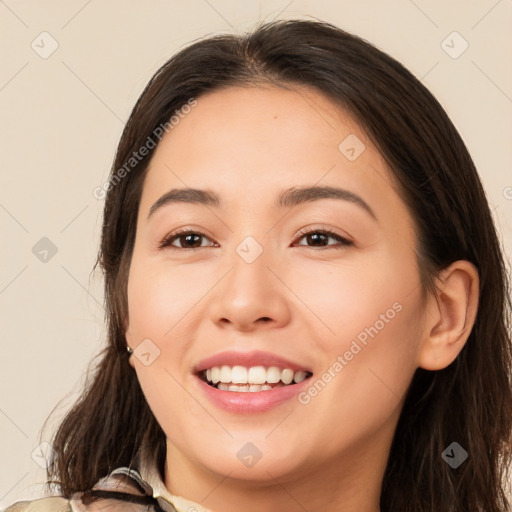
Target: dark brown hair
x=469 y=402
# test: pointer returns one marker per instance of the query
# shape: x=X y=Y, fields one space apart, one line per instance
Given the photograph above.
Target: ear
x=450 y=315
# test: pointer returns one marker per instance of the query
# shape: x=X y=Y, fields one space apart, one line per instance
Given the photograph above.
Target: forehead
x=242 y=121
x=254 y=142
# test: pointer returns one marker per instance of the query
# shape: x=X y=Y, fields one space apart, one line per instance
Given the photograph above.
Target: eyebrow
x=287 y=198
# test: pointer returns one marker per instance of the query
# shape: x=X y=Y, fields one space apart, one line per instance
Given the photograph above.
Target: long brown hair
x=469 y=402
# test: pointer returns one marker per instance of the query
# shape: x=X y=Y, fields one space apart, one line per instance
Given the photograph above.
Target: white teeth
x=253 y=379
x=215 y=377
x=287 y=376
x=299 y=376
x=225 y=374
x=273 y=375
x=239 y=375
x=252 y=388
x=257 y=375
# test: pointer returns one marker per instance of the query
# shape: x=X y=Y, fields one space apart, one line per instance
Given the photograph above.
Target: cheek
x=160 y=297
x=367 y=330
x=163 y=301
x=356 y=298
x=367 y=365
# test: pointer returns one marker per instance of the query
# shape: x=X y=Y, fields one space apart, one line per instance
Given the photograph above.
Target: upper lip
x=248 y=359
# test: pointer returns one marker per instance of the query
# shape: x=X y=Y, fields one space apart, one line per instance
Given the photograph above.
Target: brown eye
x=320 y=238
x=187 y=240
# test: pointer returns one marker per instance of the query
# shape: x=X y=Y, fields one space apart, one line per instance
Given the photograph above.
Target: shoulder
x=122 y=490
x=51 y=504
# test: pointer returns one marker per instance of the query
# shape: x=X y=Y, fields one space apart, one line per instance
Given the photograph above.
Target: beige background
x=62 y=117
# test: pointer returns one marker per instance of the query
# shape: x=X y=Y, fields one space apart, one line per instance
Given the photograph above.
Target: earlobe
x=130 y=354
x=129 y=348
x=450 y=315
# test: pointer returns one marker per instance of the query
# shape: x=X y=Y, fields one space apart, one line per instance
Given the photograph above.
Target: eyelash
x=166 y=242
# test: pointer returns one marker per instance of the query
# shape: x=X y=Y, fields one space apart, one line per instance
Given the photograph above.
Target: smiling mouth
x=253 y=379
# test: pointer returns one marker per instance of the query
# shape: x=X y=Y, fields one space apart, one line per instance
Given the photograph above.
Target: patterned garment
x=124 y=490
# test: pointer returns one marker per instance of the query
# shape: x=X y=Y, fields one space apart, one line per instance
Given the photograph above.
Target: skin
x=247 y=145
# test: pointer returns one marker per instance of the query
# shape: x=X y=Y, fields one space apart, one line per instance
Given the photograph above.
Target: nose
x=250 y=296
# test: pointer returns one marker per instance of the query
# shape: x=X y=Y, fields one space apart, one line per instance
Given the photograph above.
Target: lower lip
x=250 y=402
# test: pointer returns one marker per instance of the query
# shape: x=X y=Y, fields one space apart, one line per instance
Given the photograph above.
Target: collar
x=152 y=477
x=150 y=482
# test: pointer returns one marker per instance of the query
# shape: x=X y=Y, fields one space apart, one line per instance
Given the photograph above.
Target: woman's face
x=258 y=283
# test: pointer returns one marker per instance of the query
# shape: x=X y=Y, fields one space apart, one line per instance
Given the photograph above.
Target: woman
x=307 y=302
